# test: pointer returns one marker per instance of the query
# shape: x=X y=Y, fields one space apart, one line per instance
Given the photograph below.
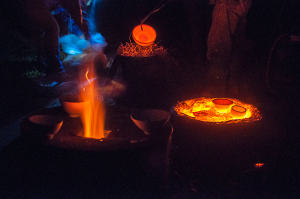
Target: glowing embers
x=259 y=165
x=144 y=35
x=134 y=50
x=218 y=110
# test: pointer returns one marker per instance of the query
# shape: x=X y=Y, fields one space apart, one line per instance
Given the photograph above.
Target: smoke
x=82 y=52
x=92 y=18
x=75 y=43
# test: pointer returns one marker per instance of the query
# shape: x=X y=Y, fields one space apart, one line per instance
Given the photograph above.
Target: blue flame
x=91 y=18
x=75 y=43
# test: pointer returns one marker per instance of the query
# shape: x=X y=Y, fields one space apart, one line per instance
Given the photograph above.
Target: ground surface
x=204 y=162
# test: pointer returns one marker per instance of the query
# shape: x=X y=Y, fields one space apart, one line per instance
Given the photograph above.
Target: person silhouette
x=44 y=29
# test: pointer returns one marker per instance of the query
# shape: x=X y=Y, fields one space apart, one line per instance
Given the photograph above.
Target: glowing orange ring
x=144 y=36
x=238 y=111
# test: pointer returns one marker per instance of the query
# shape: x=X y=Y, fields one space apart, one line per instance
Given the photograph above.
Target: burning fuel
x=218 y=110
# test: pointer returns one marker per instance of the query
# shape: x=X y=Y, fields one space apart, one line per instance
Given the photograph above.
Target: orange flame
x=93 y=115
x=207 y=110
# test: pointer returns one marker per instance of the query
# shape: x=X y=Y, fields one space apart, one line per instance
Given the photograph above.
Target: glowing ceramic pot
x=144 y=35
x=238 y=111
x=73 y=106
x=222 y=104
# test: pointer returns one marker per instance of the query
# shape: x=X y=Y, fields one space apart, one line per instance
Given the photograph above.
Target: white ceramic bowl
x=150 y=120
x=41 y=126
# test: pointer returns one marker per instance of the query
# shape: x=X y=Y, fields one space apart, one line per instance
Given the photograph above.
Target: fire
x=134 y=50
x=218 y=110
x=93 y=115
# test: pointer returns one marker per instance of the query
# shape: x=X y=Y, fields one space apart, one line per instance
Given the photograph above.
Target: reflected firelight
x=259 y=165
